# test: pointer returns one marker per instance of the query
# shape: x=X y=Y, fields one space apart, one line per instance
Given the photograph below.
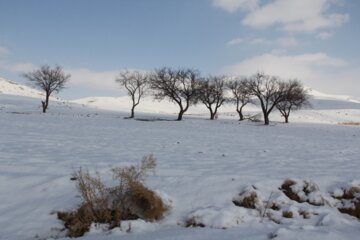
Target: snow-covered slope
x=13 y=88
x=201 y=167
x=319 y=95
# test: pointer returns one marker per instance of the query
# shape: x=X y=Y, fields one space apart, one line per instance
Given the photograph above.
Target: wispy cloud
x=235 y=41
x=316 y=70
x=324 y=35
x=235 y=5
x=284 y=42
x=289 y=15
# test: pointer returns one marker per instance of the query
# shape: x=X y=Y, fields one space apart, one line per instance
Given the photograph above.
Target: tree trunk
x=286 y=116
x=46 y=103
x=212 y=114
x=132 y=115
x=180 y=115
x=241 y=116
x=266 y=119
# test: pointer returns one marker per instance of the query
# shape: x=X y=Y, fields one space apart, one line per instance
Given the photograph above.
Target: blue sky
x=316 y=41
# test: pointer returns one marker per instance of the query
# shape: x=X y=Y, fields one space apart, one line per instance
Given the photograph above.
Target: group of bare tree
x=186 y=87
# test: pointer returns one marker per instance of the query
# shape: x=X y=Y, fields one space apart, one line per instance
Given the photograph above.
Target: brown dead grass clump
x=146 y=204
x=129 y=200
x=247 y=201
x=351 y=192
x=287 y=190
x=351 y=196
x=306 y=188
x=353 y=211
x=287 y=214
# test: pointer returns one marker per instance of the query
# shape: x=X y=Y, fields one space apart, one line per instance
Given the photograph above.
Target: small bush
x=286 y=188
x=351 y=192
x=129 y=200
x=247 y=199
x=305 y=191
x=350 y=201
x=353 y=211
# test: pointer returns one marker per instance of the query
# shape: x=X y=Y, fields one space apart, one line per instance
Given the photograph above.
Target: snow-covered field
x=202 y=166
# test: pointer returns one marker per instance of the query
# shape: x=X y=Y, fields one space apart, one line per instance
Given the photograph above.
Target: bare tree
x=269 y=90
x=241 y=95
x=136 y=84
x=211 y=93
x=179 y=86
x=48 y=79
x=295 y=98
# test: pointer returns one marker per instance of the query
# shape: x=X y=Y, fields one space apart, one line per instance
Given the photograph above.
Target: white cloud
x=290 y=15
x=287 y=65
x=235 y=41
x=296 y=15
x=234 y=5
x=324 y=35
x=260 y=41
x=316 y=70
x=104 y=80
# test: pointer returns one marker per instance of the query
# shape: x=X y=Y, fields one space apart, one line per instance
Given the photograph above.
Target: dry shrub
x=248 y=201
x=353 y=211
x=286 y=188
x=351 y=193
x=303 y=194
x=350 y=197
x=129 y=200
x=94 y=206
x=145 y=203
x=287 y=214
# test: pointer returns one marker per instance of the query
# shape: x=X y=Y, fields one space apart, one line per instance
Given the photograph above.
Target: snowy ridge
x=13 y=88
x=319 y=95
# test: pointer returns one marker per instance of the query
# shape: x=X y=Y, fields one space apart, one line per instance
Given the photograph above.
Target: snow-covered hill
x=326 y=108
x=13 y=88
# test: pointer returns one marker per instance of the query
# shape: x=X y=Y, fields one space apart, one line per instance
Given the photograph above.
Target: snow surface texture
x=202 y=166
